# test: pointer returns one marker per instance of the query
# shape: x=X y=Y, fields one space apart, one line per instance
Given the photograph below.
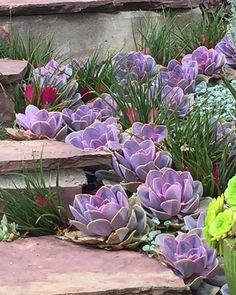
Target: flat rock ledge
x=29 y=7
x=47 y=265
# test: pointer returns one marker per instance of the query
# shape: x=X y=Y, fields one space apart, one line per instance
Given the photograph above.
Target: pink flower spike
x=48 y=96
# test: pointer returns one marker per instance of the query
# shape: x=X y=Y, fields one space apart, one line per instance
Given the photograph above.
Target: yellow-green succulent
x=230 y=193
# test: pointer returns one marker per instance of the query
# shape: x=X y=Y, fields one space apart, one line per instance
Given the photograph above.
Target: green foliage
x=8 y=231
x=157 y=39
x=207 y=32
x=193 y=146
x=95 y=75
x=36 y=209
x=3 y=133
x=37 y=50
x=229 y=249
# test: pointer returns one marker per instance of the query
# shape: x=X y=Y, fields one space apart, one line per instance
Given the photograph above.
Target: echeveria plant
x=136 y=159
x=135 y=66
x=96 y=136
x=209 y=61
x=42 y=123
x=174 y=99
x=105 y=106
x=178 y=75
x=188 y=256
x=227 y=47
x=168 y=194
x=156 y=133
x=81 y=118
x=109 y=218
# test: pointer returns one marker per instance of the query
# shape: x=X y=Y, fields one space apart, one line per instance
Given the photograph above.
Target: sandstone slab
x=18 y=155
x=48 y=266
x=70 y=183
x=29 y=7
x=11 y=73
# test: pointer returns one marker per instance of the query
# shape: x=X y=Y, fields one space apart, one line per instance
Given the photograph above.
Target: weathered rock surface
x=11 y=73
x=18 y=155
x=28 y=7
x=70 y=182
x=48 y=266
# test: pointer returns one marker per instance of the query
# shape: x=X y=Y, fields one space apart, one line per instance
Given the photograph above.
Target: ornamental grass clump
x=135 y=159
x=170 y=195
x=108 y=219
x=37 y=123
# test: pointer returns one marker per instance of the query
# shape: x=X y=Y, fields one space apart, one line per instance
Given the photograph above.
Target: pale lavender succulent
x=225 y=289
x=96 y=136
x=178 y=75
x=228 y=48
x=52 y=75
x=156 y=133
x=135 y=66
x=105 y=106
x=170 y=194
x=226 y=133
x=174 y=99
x=135 y=160
x=41 y=122
x=107 y=213
x=194 y=223
x=81 y=118
x=188 y=256
x=209 y=60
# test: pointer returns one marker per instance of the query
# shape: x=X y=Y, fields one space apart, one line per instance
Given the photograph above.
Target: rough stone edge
x=92 y=6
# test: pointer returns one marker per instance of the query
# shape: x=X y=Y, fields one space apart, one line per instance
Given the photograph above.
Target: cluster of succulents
x=227 y=47
x=41 y=123
x=8 y=231
x=52 y=87
x=134 y=66
x=108 y=219
x=168 y=194
x=156 y=133
x=180 y=75
x=97 y=135
x=209 y=61
x=188 y=255
x=134 y=160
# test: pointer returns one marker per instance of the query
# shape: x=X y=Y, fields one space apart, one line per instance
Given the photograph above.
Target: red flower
x=41 y=200
x=132 y=115
x=48 y=96
x=87 y=94
x=216 y=174
x=185 y=168
x=30 y=94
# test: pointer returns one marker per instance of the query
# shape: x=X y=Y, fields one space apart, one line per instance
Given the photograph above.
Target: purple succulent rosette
x=105 y=106
x=169 y=194
x=178 y=75
x=135 y=66
x=209 y=60
x=136 y=159
x=228 y=48
x=42 y=123
x=96 y=136
x=225 y=290
x=81 y=118
x=188 y=256
x=194 y=223
x=175 y=100
x=226 y=133
x=156 y=133
x=109 y=215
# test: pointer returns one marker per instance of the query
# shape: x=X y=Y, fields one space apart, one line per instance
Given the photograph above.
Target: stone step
x=49 y=266
x=71 y=182
x=18 y=155
x=88 y=25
